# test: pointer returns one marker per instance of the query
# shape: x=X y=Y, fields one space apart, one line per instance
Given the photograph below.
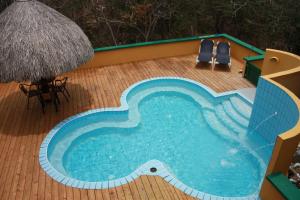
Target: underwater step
x=215 y=124
x=227 y=121
x=235 y=115
x=241 y=106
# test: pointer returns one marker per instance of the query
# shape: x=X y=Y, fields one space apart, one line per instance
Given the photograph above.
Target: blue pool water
x=201 y=138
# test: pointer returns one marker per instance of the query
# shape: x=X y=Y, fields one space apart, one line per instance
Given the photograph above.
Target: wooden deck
x=22 y=130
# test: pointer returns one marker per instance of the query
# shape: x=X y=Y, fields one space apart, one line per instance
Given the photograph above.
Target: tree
x=263 y=23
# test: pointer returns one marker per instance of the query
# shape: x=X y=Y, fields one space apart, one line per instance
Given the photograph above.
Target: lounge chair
x=223 y=54
x=206 y=51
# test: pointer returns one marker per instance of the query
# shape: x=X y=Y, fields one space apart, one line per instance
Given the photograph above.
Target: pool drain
x=153 y=169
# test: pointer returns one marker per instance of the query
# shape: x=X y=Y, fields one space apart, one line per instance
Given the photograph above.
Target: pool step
x=235 y=115
x=241 y=106
x=227 y=120
x=215 y=124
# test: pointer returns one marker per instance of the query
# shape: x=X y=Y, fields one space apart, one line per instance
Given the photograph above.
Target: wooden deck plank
x=98 y=194
x=6 y=155
x=120 y=193
x=140 y=187
x=168 y=188
x=15 y=172
x=148 y=188
x=133 y=190
x=179 y=194
x=91 y=194
x=105 y=194
x=33 y=164
x=3 y=120
x=22 y=131
x=84 y=195
x=5 y=138
x=15 y=160
x=27 y=143
x=127 y=193
x=113 y=194
x=76 y=193
x=162 y=188
x=35 y=182
x=69 y=192
x=155 y=187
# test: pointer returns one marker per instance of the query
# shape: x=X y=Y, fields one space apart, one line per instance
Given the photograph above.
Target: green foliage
x=263 y=23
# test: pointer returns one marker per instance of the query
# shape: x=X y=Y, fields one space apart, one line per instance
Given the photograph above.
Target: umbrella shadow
x=18 y=120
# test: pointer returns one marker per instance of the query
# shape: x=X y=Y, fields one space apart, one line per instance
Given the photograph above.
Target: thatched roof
x=38 y=42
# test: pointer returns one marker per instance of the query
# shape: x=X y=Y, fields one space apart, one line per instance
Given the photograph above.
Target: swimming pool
x=195 y=139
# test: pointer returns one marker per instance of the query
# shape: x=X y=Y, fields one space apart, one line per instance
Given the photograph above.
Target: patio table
x=47 y=87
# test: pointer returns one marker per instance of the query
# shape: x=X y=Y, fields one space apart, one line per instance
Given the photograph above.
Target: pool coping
x=162 y=170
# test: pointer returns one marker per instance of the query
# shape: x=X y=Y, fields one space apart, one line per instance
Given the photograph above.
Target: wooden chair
x=60 y=86
x=32 y=90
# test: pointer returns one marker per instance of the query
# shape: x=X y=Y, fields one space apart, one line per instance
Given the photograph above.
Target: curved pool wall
x=121 y=114
x=271 y=99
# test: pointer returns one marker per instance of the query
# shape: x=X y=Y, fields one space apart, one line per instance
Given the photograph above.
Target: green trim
x=284 y=186
x=254 y=58
x=252 y=73
x=141 y=44
x=244 y=44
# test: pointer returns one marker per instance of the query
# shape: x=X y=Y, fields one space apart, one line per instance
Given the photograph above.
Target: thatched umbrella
x=37 y=42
